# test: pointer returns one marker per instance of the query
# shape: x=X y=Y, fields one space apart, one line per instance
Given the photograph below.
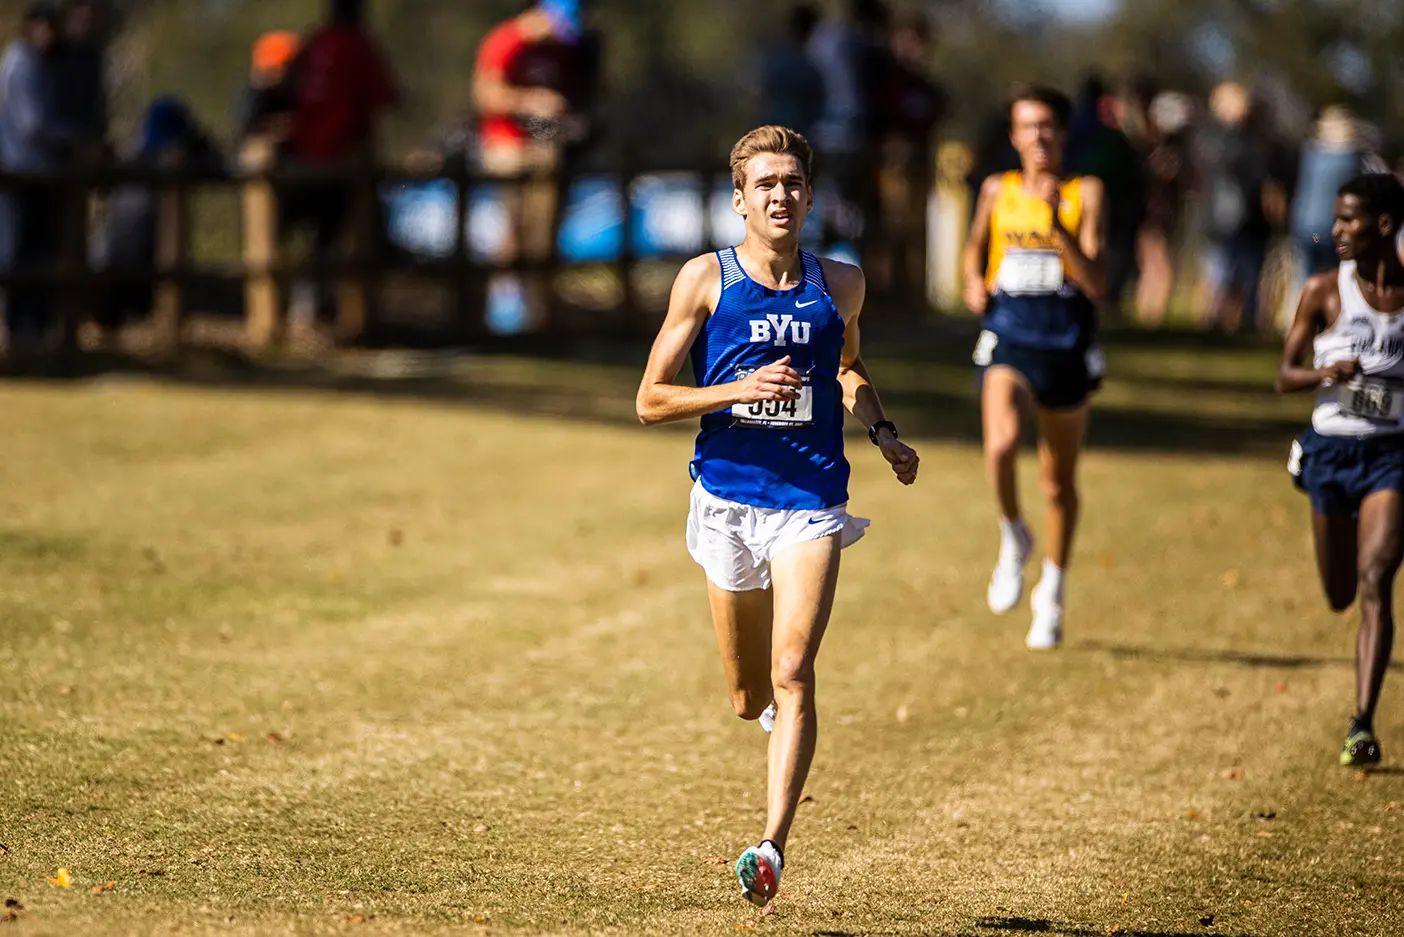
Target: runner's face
x=1035 y=134
x=1356 y=231
x=777 y=196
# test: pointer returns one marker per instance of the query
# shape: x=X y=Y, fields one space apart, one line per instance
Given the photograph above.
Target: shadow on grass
x=1218 y=656
x=923 y=372
x=1023 y=925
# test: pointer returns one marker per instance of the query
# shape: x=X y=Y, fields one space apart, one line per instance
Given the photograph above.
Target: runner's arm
x=848 y=287
x=977 y=246
x=659 y=399
x=1311 y=308
x=1082 y=255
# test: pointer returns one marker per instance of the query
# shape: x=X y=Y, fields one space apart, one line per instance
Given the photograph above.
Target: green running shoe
x=1361 y=750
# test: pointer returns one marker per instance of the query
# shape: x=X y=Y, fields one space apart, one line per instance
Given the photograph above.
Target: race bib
x=776 y=414
x=1026 y=273
x=1373 y=398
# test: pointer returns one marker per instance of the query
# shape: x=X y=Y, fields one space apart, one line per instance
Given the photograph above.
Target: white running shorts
x=734 y=543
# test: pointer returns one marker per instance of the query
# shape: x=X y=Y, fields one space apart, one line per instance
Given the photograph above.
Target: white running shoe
x=767 y=718
x=1046 y=632
x=1007 y=581
x=758 y=870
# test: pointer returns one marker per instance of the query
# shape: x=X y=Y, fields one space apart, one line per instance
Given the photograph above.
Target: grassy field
x=324 y=653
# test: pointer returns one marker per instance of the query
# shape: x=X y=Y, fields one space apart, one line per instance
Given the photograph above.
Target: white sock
x=1050 y=584
x=1012 y=537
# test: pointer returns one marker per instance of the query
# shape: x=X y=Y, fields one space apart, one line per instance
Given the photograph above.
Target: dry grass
x=287 y=661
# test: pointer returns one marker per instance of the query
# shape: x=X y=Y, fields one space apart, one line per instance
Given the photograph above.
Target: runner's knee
x=1002 y=441
x=793 y=673
x=1375 y=577
x=1060 y=490
x=749 y=704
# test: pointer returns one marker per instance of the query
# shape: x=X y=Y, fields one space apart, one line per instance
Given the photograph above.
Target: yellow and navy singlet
x=1032 y=303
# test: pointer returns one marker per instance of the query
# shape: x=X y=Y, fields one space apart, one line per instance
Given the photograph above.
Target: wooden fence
x=360 y=270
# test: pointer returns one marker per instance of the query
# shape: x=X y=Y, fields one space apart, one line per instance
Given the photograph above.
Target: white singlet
x=1372 y=403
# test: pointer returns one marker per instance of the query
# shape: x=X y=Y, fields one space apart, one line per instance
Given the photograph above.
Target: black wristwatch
x=882 y=424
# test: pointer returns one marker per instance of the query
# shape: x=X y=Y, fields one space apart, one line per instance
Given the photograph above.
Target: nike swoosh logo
x=818 y=520
x=800 y=305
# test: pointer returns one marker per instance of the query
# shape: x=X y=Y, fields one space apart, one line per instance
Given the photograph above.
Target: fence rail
x=369 y=257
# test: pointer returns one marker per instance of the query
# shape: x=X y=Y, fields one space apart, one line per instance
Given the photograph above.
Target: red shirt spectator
x=342 y=82
x=525 y=57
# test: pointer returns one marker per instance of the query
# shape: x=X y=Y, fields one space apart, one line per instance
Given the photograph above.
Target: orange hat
x=273 y=52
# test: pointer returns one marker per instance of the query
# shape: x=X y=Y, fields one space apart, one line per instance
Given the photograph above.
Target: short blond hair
x=771 y=139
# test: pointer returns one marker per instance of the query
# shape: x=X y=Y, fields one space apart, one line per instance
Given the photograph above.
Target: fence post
x=948 y=214
x=172 y=242
x=262 y=302
x=357 y=287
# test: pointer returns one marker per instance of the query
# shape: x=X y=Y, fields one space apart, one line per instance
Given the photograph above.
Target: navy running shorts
x=1061 y=378
x=1338 y=472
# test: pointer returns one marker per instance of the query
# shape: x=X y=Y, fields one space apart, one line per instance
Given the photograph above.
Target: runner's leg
x=1336 y=538
x=804 y=578
x=742 y=623
x=1381 y=550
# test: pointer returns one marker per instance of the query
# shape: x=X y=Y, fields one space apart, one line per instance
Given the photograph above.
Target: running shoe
x=758 y=870
x=1007 y=580
x=1046 y=632
x=1361 y=749
x=767 y=718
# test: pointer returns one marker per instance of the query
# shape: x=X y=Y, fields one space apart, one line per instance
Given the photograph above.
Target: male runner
x=1033 y=268
x=1351 y=461
x=773 y=335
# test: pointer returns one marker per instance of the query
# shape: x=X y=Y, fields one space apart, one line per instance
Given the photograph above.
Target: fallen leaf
x=1265 y=815
x=1207 y=921
x=14 y=903
x=1362 y=775
x=1263 y=834
x=234 y=736
x=1124 y=896
x=1191 y=813
x=1230 y=579
x=479 y=919
x=717 y=860
x=1233 y=774
x=61 y=879
x=359 y=918
x=219 y=741
x=105 y=886
x=1114 y=929
x=481 y=828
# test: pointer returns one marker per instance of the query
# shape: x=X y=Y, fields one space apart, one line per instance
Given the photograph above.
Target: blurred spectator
x=851 y=54
x=1335 y=153
x=167 y=137
x=80 y=81
x=523 y=81
x=910 y=105
x=1167 y=121
x=267 y=103
x=790 y=87
x=33 y=139
x=1098 y=147
x=1244 y=176
x=341 y=85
